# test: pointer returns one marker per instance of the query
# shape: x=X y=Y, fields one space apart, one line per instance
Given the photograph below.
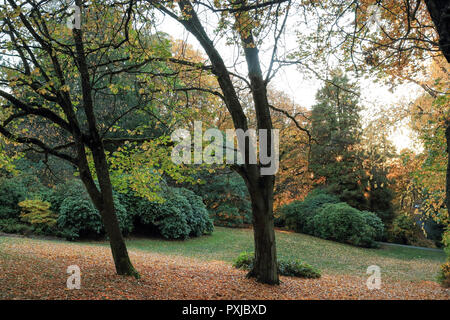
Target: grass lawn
x=200 y=268
x=225 y=244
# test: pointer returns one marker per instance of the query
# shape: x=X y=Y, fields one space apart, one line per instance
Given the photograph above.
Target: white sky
x=302 y=90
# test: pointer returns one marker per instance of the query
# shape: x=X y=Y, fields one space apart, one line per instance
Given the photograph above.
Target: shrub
x=181 y=215
x=36 y=212
x=444 y=275
x=374 y=221
x=11 y=225
x=298 y=213
x=342 y=223
x=78 y=217
x=12 y=191
x=446 y=242
x=226 y=198
x=197 y=216
x=297 y=269
x=244 y=260
x=403 y=230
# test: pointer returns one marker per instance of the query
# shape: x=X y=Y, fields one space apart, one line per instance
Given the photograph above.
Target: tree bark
x=265 y=268
x=104 y=202
x=109 y=217
x=260 y=187
x=440 y=14
x=447 y=180
x=103 y=198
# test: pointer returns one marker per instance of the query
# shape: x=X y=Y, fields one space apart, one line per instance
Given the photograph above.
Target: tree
x=336 y=128
x=392 y=40
x=293 y=180
x=247 y=21
x=56 y=80
x=378 y=153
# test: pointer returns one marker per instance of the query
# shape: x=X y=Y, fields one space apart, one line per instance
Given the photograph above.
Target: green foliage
x=11 y=225
x=381 y=196
x=180 y=215
x=342 y=223
x=403 y=230
x=37 y=212
x=375 y=222
x=77 y=215
x=244 y=260
x=444 y=272
x=12 y=191
x=289 y=268
x=446 y=242
x=444 y=275
x=335 y=126
x=298 y=213
x=226 y=198
x=298 y=269
x=196 y=214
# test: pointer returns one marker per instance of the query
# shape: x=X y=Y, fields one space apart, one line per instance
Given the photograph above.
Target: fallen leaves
x=36 y=269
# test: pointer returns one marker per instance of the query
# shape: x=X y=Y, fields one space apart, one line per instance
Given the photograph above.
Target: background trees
x=336 y=128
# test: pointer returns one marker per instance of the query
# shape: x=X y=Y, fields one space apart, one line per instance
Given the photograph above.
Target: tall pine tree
x=336 y=160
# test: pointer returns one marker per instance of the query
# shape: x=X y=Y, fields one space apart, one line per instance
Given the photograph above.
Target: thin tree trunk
x=117 y=243
x=104 y=202
x=109 y=217
x=447 y=181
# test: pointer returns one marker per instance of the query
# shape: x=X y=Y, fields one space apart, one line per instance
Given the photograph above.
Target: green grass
x=330 y=257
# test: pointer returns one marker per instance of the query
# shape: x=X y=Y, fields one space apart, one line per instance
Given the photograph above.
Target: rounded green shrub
x=297 y=214
x=11 y=225
x=342 y=223
x=244 y=260
x=197 y=215
x=180 y=215
x=78 y=217
x=298 y=269
x=374 y=221
x=287 y=268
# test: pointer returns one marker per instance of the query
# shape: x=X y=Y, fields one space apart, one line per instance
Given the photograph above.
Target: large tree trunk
x=260 y=187
x=440 y=14
x=265 y=268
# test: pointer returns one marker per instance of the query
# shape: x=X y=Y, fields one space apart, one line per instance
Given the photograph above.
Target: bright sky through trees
x=302 y=89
